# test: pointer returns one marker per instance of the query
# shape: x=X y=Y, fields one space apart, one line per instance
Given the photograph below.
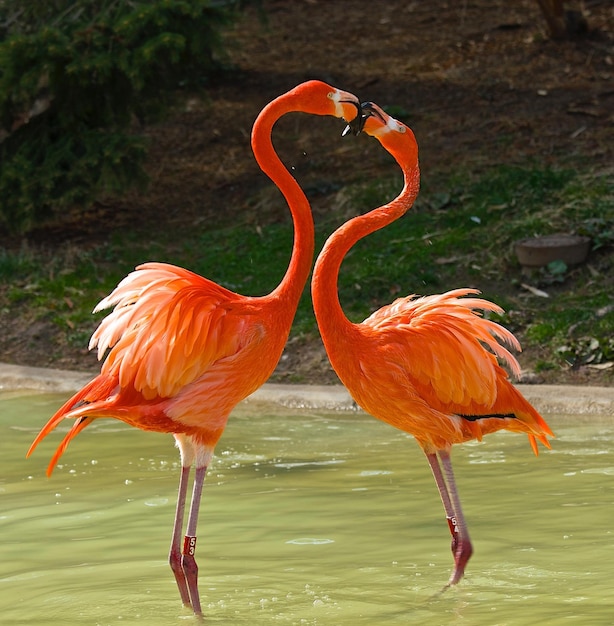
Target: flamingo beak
x=354 y=126
x=368 y=109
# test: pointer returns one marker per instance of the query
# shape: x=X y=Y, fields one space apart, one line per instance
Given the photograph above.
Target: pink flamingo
x=183 y=351
x=428 y=365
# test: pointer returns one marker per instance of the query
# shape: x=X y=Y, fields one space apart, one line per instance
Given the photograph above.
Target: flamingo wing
x=444 y=347
x=167 y=328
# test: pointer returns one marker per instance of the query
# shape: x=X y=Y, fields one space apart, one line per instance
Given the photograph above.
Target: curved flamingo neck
x=329 y=314
x=292 y=284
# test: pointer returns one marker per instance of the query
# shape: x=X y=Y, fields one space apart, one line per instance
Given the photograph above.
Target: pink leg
x=188 y=562
x=445 y=497
x=174 y=557
x=461 y=543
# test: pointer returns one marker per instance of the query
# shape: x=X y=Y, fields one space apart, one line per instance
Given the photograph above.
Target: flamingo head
x=318 y=98
x=397 y=138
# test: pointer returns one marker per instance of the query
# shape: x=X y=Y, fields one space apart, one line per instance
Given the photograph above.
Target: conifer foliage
x=75 y=75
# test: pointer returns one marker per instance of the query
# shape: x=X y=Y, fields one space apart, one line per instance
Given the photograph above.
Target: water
x=307 y=519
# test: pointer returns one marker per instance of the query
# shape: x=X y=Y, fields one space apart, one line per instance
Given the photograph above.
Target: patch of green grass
x=465 y=236
x=577 y=328
x=545 y=366
x=13 y=264
x=247 y=259
x=447 y=237
x=460 y=234
x=63 y=286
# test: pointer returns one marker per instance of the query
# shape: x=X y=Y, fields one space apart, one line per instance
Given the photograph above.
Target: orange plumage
x=183 y=351
x=426 y=365
x=444 y=356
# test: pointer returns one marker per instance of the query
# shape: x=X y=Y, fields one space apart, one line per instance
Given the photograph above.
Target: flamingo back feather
x=445 y=359
x=168 y=326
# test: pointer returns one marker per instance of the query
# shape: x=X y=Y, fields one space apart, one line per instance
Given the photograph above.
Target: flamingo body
x=441 y=384
x=426 y=365
x=183 y=351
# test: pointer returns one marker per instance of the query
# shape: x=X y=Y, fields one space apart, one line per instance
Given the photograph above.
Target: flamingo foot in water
x=462 y=551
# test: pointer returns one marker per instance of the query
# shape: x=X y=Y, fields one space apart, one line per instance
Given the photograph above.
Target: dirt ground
x=481 y=83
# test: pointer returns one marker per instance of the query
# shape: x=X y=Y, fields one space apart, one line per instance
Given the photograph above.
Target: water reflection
x=307 y=518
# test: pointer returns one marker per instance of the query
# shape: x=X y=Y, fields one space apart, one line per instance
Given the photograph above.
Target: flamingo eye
x=396 y=125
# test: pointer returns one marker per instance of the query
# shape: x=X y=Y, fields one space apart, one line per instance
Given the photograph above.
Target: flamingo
x=183 y=351
x=426 y=365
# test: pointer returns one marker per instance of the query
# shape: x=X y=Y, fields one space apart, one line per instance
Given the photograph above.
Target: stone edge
x=548 y=399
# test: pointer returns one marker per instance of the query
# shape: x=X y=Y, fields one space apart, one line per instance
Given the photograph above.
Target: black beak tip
x=357 y=124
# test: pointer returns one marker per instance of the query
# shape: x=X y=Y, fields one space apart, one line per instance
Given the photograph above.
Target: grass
x=63 y=287
x=460 y=237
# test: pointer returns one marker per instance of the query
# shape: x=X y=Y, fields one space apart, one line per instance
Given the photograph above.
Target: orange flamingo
x=183 y=351
x=426 y=365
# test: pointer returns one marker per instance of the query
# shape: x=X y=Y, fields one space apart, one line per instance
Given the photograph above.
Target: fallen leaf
x=602 y=366
x=584 y=110
x=578 y=132
x=535 y=291
x=604 y=310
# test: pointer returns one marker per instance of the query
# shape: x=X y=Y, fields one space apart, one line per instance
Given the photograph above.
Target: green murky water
x=307 y=518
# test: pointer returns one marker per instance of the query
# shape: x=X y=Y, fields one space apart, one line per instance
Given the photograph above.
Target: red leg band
x=189 y=545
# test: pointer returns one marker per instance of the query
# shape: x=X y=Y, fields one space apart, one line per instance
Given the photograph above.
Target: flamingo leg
x=445 y=497
x=188 y=562
x=174 y=557
x=441 y=466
